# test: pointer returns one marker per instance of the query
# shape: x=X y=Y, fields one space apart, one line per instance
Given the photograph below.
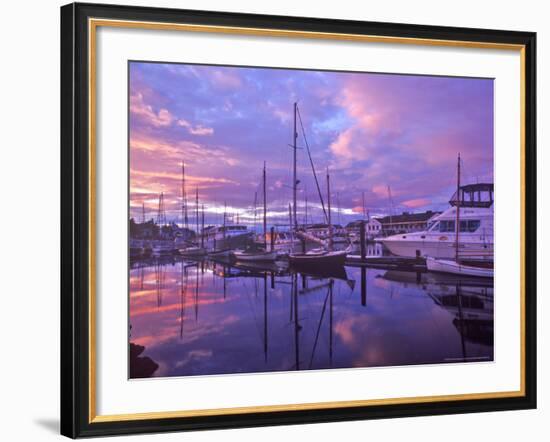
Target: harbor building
x=406 y=222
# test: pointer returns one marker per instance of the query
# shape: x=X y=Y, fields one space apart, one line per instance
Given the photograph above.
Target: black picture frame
x=75 y=220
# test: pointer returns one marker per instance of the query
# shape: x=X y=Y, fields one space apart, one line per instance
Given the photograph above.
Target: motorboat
x=476 y=213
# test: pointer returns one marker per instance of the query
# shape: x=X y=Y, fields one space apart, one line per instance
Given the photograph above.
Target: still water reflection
x=189 y=318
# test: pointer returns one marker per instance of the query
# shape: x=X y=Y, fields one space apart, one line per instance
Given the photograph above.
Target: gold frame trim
x=93 y=24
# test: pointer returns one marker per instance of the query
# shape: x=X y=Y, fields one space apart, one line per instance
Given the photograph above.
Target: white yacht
x=475 y=202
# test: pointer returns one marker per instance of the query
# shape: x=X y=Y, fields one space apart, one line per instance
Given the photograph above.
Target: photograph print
x=293 y=219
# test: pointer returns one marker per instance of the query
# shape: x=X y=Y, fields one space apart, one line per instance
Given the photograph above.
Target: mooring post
x=362 y=240
x=272 y=238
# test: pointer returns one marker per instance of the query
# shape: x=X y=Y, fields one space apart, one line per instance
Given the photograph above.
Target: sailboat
x=197 y=250
x=459 y=266
x=322 y=256
x=163 y=245
x=255 y=254
x=325 y=256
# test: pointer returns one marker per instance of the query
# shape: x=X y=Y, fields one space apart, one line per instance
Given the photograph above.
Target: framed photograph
x=275 y=220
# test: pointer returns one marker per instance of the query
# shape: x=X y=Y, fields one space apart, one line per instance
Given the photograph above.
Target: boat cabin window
x=470 y=225
x=448 y=226
x=235 y=228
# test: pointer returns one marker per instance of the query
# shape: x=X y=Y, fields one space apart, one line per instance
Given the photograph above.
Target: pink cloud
x=416 y=203
x=163 y=118
x=224 y=79
x=341 y=147
x=195 y=130
x=139 y=108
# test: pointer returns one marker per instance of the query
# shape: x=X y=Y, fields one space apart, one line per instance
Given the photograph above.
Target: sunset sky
x=371 y=130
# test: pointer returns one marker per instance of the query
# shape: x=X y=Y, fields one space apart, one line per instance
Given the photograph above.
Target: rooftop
x=407 y=217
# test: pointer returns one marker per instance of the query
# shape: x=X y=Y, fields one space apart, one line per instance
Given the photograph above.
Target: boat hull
x=437 y=249
x=221 y=253
x=449 y=266
x=192 y=252
x=318 y=259
x=255 y=257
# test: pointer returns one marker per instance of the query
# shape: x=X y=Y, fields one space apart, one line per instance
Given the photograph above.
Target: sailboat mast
x=224 y=218
x=265 y=211
x=183 y=194
x=202 y=230
x=161 y=215
x=197 y=210
x=329 y=214
x=158 y=210
x=457 y=207
x=290 y=221
x=294 y=171
x=305 y=218
x=339 y=221
x=255 y=209
x=391 y=207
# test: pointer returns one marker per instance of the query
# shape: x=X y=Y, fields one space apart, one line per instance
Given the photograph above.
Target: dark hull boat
x=318 y=258
x=221 y=254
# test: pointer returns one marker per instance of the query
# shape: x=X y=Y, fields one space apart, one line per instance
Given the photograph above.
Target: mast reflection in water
x=201 y=318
